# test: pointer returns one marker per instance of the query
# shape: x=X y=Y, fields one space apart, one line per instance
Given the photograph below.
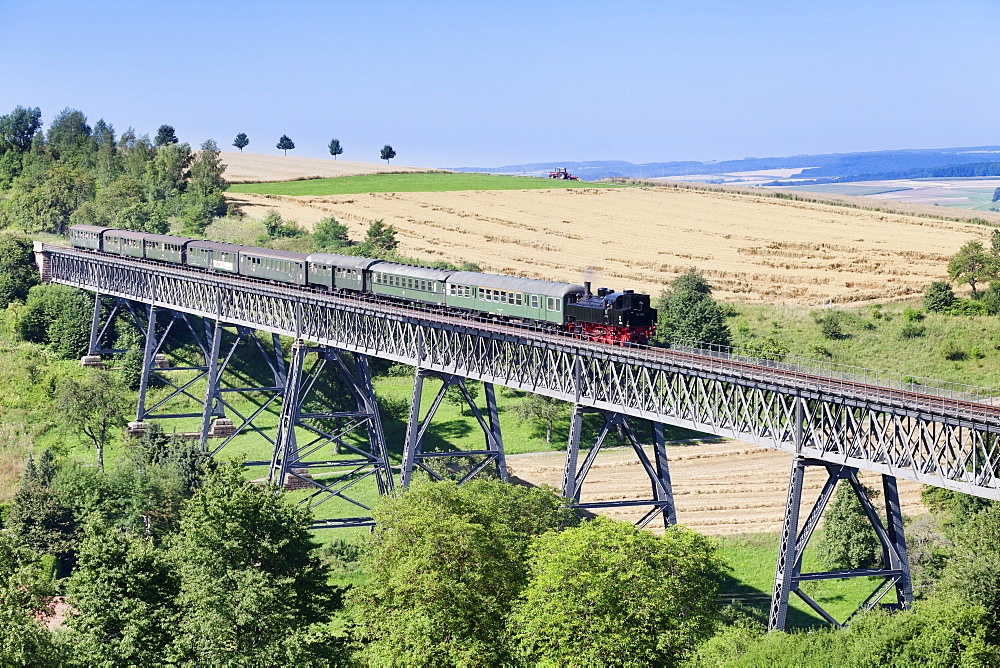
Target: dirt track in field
x=721 y=488
x=751 y=248
x=257 y=167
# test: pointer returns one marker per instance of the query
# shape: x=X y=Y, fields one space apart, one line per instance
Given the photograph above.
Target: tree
x=19 y=127
x=123 y=595
x=56 y=315
x=69 y=136
x=328 y=234
x=849 y=541
x=546 y=409
x=381 y=238
x=445 y=563
x=165 y=135
x=972 y=574
x=249 y=586
x=606 y=592
x=18 y=272
x=938 y=297
x=241 y=141
x=37 y=518
x=973 y=264
x=687 y=311
x=335 y=148
x=285 y=144
x=45 y=203
x=207 y=170
x=387 y=153
x=94 y=407
x=996 y=195
x=25 y=598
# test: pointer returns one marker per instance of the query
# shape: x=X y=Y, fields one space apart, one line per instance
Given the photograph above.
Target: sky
x=461 y=84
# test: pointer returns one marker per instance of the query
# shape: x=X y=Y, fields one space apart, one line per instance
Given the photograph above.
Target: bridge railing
x=856 y=378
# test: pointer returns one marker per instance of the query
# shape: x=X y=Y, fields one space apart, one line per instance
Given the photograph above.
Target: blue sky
x=492 y=83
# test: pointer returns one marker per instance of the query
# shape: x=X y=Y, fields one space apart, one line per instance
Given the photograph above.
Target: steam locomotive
x=608 y=316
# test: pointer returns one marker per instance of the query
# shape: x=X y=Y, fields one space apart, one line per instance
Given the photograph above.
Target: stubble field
x=752 y=248
x=720 y=488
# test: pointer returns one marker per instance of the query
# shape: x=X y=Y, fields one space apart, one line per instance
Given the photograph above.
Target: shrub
x=912 y=314
x=911 y=330
x=968 y=307
x=951 y=351
x=939 y=297
x=772 y=348
x=819 y=350
x=831 y=325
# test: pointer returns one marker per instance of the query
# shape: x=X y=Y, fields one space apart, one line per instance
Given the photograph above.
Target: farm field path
x=724 y=487
x=751 y=248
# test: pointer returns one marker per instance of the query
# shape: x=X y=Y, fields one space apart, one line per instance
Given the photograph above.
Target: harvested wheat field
x=751 y=248
x=256 y=167
x=721 y=488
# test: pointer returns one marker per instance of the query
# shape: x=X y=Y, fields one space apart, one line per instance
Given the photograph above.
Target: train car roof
x=514 y=284
x=214 y=245
x=125 y=234
x=416 y=272
x=345 y=261
x=89 y=228
x=272 y=253
x=168 y=239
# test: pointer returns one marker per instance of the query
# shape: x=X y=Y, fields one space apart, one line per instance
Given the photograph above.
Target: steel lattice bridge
x=839 y=418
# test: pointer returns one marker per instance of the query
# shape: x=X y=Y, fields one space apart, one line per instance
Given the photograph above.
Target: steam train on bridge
x=611 y=317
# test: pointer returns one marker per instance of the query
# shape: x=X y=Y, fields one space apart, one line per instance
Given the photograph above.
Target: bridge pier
x=895 y=569
x=312 y=450
x=658 y=471
x=414 y=455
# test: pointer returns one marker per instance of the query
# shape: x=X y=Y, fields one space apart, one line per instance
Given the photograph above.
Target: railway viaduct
x=836 y=418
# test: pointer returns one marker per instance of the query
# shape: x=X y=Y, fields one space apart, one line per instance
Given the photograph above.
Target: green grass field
x=409 y=183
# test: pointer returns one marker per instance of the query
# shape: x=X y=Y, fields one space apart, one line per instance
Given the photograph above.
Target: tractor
x=562 y=173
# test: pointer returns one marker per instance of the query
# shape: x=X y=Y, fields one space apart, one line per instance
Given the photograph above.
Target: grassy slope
x=386 y=183
x=877 y=342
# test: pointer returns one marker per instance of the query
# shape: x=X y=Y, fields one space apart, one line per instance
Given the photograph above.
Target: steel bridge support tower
x=895 y=569
x=416 y=457
x=658 y=471
x=316 y=448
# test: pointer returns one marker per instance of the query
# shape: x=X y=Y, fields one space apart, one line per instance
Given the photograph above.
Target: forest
x=158 y=555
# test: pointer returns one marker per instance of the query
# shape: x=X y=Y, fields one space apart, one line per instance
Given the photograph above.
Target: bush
x=968 y=307
x=951 y=351
x=831 y=325
x=911 y=330
x=912 y=314
x=939 y=297
x=772 y=348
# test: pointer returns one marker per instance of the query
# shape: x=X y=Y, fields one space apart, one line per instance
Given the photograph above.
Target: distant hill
x=824 y=166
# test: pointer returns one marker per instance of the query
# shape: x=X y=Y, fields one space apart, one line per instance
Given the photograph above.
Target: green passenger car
x=510 y=297
x=86 y=236
x=124 y=242
x=273 y=265
x=165 y=248
x=341 y=272
x=214 y=256
x=421 y=284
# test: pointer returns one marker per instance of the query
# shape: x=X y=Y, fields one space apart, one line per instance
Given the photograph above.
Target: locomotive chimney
x=586 y=288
